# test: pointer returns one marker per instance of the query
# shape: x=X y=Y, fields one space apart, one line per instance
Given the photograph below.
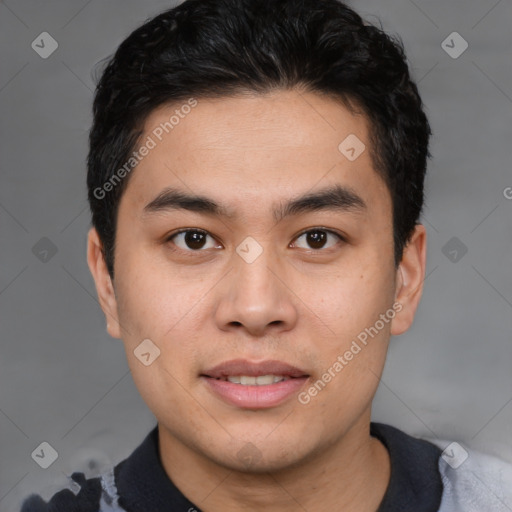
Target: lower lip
x=255 y=397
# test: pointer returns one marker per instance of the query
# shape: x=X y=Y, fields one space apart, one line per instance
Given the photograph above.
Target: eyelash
x=310 y=230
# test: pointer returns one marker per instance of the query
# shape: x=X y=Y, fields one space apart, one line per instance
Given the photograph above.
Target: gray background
x=63 y=380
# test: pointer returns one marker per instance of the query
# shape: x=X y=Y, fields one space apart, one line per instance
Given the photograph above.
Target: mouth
x=260 y=380
x=250 y=385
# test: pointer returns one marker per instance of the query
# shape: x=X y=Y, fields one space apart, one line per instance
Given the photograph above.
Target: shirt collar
x=415 y=481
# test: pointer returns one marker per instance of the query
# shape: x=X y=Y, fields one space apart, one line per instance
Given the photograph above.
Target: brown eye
x=317 y=238
x=191 y=240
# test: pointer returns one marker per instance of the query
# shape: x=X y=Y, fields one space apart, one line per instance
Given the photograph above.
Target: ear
x=410 y=277
x=104 y=285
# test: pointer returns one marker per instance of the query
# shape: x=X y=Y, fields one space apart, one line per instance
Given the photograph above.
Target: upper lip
x=237 y=367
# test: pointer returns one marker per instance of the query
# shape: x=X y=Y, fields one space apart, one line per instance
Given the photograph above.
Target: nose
x=257 y=296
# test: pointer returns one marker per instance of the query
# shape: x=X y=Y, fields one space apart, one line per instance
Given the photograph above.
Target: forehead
x=249 y=148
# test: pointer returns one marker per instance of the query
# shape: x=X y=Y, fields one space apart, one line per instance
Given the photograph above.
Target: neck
x=352 y=475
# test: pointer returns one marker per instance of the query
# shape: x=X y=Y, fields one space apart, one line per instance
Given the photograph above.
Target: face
x=269 y=299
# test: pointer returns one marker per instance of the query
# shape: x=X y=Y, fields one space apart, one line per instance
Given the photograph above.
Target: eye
x=318 y=237
x=191 y=239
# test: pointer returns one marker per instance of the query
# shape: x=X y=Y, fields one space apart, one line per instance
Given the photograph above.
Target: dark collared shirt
x=140 y=483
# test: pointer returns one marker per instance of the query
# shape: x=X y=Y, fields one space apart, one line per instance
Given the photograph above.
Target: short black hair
x=221 y=48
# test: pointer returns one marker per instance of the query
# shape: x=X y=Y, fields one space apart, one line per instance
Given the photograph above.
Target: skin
x=297 y=302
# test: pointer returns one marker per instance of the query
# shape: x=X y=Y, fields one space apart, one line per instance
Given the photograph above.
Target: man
x=255 y=178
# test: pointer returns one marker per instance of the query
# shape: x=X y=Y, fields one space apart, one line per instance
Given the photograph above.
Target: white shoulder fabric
x=479 y=484
x=482 y=483
x=109 y=496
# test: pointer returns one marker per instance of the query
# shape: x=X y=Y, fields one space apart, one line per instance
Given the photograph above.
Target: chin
x=246 y=457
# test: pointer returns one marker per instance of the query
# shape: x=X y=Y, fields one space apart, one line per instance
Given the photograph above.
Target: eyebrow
x=334 y=198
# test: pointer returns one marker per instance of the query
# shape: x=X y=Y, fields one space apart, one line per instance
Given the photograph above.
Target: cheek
x=165 y=308
x=351 y=301
x=155 y=302
x=359 y=311
x=351 y=369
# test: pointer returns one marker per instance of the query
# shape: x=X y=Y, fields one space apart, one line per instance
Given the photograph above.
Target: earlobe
x=104 y=285
x=409 y=282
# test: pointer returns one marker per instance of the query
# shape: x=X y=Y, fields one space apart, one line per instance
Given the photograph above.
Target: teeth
x=262 y=380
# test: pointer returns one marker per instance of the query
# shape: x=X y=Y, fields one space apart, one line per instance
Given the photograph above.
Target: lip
x=249 y=396
x=253 y=369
